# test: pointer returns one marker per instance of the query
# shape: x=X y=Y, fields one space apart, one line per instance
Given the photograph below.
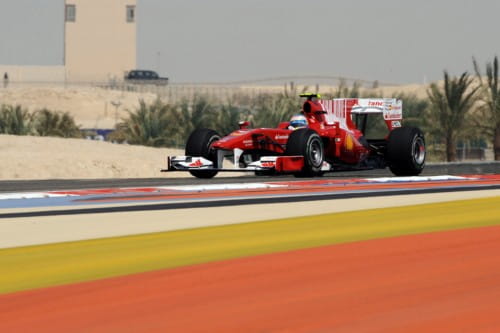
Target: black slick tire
x=198 y=144
x=306 y=142
x=406 y=151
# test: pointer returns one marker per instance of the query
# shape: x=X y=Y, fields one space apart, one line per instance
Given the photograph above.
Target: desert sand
x=91 y=107
x=31 y=157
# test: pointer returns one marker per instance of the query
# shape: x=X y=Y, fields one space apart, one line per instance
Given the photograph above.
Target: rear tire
x=306 y=142
x=406 y=151
x=199 y=144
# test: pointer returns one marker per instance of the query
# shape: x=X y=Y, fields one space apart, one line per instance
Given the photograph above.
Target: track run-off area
x=315 y=255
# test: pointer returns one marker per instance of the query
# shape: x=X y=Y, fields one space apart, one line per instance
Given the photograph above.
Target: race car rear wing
x=339 y=110
x=391 y=108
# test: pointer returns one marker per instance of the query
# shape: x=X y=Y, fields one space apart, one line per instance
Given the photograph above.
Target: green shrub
x=50 y=123
x=269 y=110
x=149 y=126
x=15 y=120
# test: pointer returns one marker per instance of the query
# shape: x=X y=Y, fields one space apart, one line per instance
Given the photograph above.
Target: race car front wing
x=283 y=164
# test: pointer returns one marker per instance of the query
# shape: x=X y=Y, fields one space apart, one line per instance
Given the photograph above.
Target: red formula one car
x=328 y=135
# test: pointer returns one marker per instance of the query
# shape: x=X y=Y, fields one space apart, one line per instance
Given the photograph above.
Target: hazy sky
x=395 y=41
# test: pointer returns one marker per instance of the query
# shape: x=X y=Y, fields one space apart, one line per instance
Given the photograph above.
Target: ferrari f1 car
x=338 y=134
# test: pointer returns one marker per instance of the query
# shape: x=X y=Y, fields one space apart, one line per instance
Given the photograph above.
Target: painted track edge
x=246 y=201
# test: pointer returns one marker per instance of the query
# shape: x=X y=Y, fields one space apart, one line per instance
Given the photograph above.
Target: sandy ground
x=90 y=107
x=30 y=157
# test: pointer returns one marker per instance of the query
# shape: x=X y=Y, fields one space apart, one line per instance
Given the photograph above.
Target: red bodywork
x=341 y=142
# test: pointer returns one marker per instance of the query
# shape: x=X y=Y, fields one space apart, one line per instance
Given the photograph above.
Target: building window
x=130 y=13
x=70 y=13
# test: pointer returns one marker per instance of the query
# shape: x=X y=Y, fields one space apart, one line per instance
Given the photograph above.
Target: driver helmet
x=298 y=121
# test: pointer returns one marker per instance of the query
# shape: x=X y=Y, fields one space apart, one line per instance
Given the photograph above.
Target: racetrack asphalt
x=97 y=213
x=461 y=168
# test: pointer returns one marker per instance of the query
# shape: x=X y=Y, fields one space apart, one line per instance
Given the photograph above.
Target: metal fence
x=173 y=92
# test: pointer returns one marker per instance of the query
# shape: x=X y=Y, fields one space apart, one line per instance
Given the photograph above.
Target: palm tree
x=227 y=117
x=449 y=107
x=343 y=90
x=190 y=114
x=270 y=110
x=413 y=110
x=15 y=120
x=489 y=119
x=48 y=123
x=150 y=125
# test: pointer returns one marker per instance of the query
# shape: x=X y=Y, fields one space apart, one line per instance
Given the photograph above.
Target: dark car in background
x=145 y=77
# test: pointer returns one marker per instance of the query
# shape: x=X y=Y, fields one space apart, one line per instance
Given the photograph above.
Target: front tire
x=199 y=144
x=306 y=142
x=406 y=151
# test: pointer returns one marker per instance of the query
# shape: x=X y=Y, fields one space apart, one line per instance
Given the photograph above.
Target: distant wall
x=33 y=73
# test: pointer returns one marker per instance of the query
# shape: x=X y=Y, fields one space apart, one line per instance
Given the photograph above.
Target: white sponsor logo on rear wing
x=339 y=109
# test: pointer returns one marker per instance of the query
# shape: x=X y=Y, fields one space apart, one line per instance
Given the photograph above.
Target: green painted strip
x=55 y=264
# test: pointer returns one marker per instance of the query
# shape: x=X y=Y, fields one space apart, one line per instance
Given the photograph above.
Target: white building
x=99 y=44
x=99 y=39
